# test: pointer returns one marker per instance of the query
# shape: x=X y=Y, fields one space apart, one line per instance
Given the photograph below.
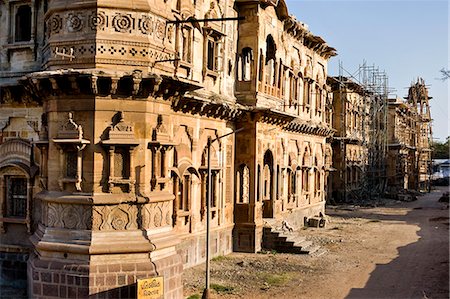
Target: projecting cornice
x=93 y=82
x=210 y=105
x=307 y=127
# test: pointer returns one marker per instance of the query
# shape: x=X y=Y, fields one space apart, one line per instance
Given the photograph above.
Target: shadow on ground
x=421 y=269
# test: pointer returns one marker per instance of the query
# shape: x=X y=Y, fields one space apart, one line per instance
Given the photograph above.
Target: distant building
x=409 y=137
x=441 y=168
x=351 y=120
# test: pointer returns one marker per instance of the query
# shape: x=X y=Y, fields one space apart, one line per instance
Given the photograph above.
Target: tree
x=441 y=150
x=445 y=74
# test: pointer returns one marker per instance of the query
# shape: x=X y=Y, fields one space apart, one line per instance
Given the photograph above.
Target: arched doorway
x=267 y=185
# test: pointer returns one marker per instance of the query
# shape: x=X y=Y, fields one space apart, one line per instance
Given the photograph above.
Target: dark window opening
x=71 y=164
x=211 y=65
x=23 y=24
x=16 y=197
x=185 y=192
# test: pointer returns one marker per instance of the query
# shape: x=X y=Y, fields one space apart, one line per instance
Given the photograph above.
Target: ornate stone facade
x=409 y=140
x=351 y=106
x=110 y=105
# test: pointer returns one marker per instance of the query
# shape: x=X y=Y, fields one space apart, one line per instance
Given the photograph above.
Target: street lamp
x=208 y=211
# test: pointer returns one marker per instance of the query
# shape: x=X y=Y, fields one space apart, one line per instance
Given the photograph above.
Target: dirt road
x=400 y=250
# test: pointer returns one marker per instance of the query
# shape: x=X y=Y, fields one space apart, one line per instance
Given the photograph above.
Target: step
x=296 y=239
x=310 y=249
x=289 y=242
x=303 y=244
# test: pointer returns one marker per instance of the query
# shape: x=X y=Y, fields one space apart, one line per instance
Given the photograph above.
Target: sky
x=406 y=38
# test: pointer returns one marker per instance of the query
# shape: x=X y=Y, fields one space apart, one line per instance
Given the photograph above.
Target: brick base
x=56 y=279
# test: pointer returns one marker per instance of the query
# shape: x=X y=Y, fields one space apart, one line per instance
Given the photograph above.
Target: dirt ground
x=399 y=250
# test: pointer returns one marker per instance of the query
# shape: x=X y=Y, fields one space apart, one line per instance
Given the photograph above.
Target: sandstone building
x=409 y=140
x=106 y=108
x=351 y=121
x=360 y=142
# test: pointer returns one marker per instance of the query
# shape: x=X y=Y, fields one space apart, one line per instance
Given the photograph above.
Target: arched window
x=183 y=177
x=23 y=24
x=268 y=176
x=247 y=58
x=271 y=65
x=242 y=183
x=186 y=44
x=317 y=177
x=258 y=193
x=306 y=93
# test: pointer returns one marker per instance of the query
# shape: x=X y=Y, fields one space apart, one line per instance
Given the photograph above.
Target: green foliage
x=195 y=296
x=221 y=289
x=276 y=279
x=219 y=258
x=441 y=150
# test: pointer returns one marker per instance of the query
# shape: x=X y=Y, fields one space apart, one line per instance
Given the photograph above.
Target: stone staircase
x=284 y=241
x=287 y=242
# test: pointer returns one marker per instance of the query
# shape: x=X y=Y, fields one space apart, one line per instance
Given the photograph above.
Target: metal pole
x=208 y=208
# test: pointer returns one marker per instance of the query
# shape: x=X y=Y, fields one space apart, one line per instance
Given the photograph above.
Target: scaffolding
x=375 y=92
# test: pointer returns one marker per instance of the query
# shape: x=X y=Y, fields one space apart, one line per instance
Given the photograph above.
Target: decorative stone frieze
x=70 y=216
x=118 y=217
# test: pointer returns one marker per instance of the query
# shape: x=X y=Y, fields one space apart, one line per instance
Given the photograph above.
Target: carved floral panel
x=156 y=214
x=117 y=217
x=69 y=216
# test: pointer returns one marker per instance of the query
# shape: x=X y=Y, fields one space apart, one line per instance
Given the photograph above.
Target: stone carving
x=119 y=217
x=53 y=219
x=97 y=219
x=157 y=220
x=98 y=21
x=146 y=24
x=71 y=217
x=70 y=129
x=68 y=216
x=156 y=215
x=245 y=184
x=160 y=29
x=123 y=23
x=120 y=129
x=55 y=24
x=160 y=132
x=74 y=22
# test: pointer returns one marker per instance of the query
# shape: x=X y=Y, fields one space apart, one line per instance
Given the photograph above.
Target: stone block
x=62 y=291
x=72 y=292
x=46 y=277
x=128 y=267
x=114 y=268
x=50 y=290
x=37 y=287
x=110 y=280
x=99 y=280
